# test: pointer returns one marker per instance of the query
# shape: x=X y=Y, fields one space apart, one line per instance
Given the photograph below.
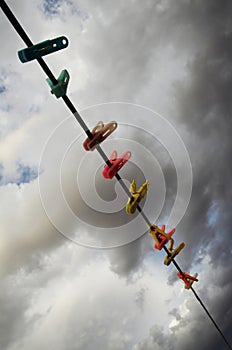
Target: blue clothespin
x=44 y=48
x=60 y=88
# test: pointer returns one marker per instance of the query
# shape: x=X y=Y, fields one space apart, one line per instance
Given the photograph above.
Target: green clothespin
x=46 y=47
x=60 y=88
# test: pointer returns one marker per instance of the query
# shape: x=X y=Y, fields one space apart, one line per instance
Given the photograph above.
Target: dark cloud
x=14 y=299
x=156 y=340
x=204 y=103
x=140 y=297
x=121 y=53
x=192 y=330
x=175 y=312
x=127 y=260
x=205 y=107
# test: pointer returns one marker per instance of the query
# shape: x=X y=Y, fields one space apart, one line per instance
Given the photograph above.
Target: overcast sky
x=77 y=272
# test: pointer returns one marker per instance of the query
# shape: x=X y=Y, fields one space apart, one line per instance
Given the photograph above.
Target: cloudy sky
x=76 y=271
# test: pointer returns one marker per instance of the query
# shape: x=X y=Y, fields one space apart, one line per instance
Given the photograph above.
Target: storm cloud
x=173 y=57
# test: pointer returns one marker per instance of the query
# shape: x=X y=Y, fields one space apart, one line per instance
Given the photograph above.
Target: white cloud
x=75 y=301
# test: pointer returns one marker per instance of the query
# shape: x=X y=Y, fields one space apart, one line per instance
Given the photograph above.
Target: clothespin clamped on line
x=116 y=164
x=46 y=47
x=60 y=88
x=136 y=196
x=100 y=132
x=187 y=279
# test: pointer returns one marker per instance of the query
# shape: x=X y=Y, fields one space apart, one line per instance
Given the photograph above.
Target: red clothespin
x=163 y=240
x=116 y=164
x=187 y=279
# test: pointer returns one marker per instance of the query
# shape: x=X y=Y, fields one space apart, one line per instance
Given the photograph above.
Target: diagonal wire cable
x=19 y=29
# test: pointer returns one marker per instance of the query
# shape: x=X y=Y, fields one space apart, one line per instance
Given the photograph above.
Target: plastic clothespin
x=100 y=132
x=116 y=164
x=60 y=88
x=41 y=49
